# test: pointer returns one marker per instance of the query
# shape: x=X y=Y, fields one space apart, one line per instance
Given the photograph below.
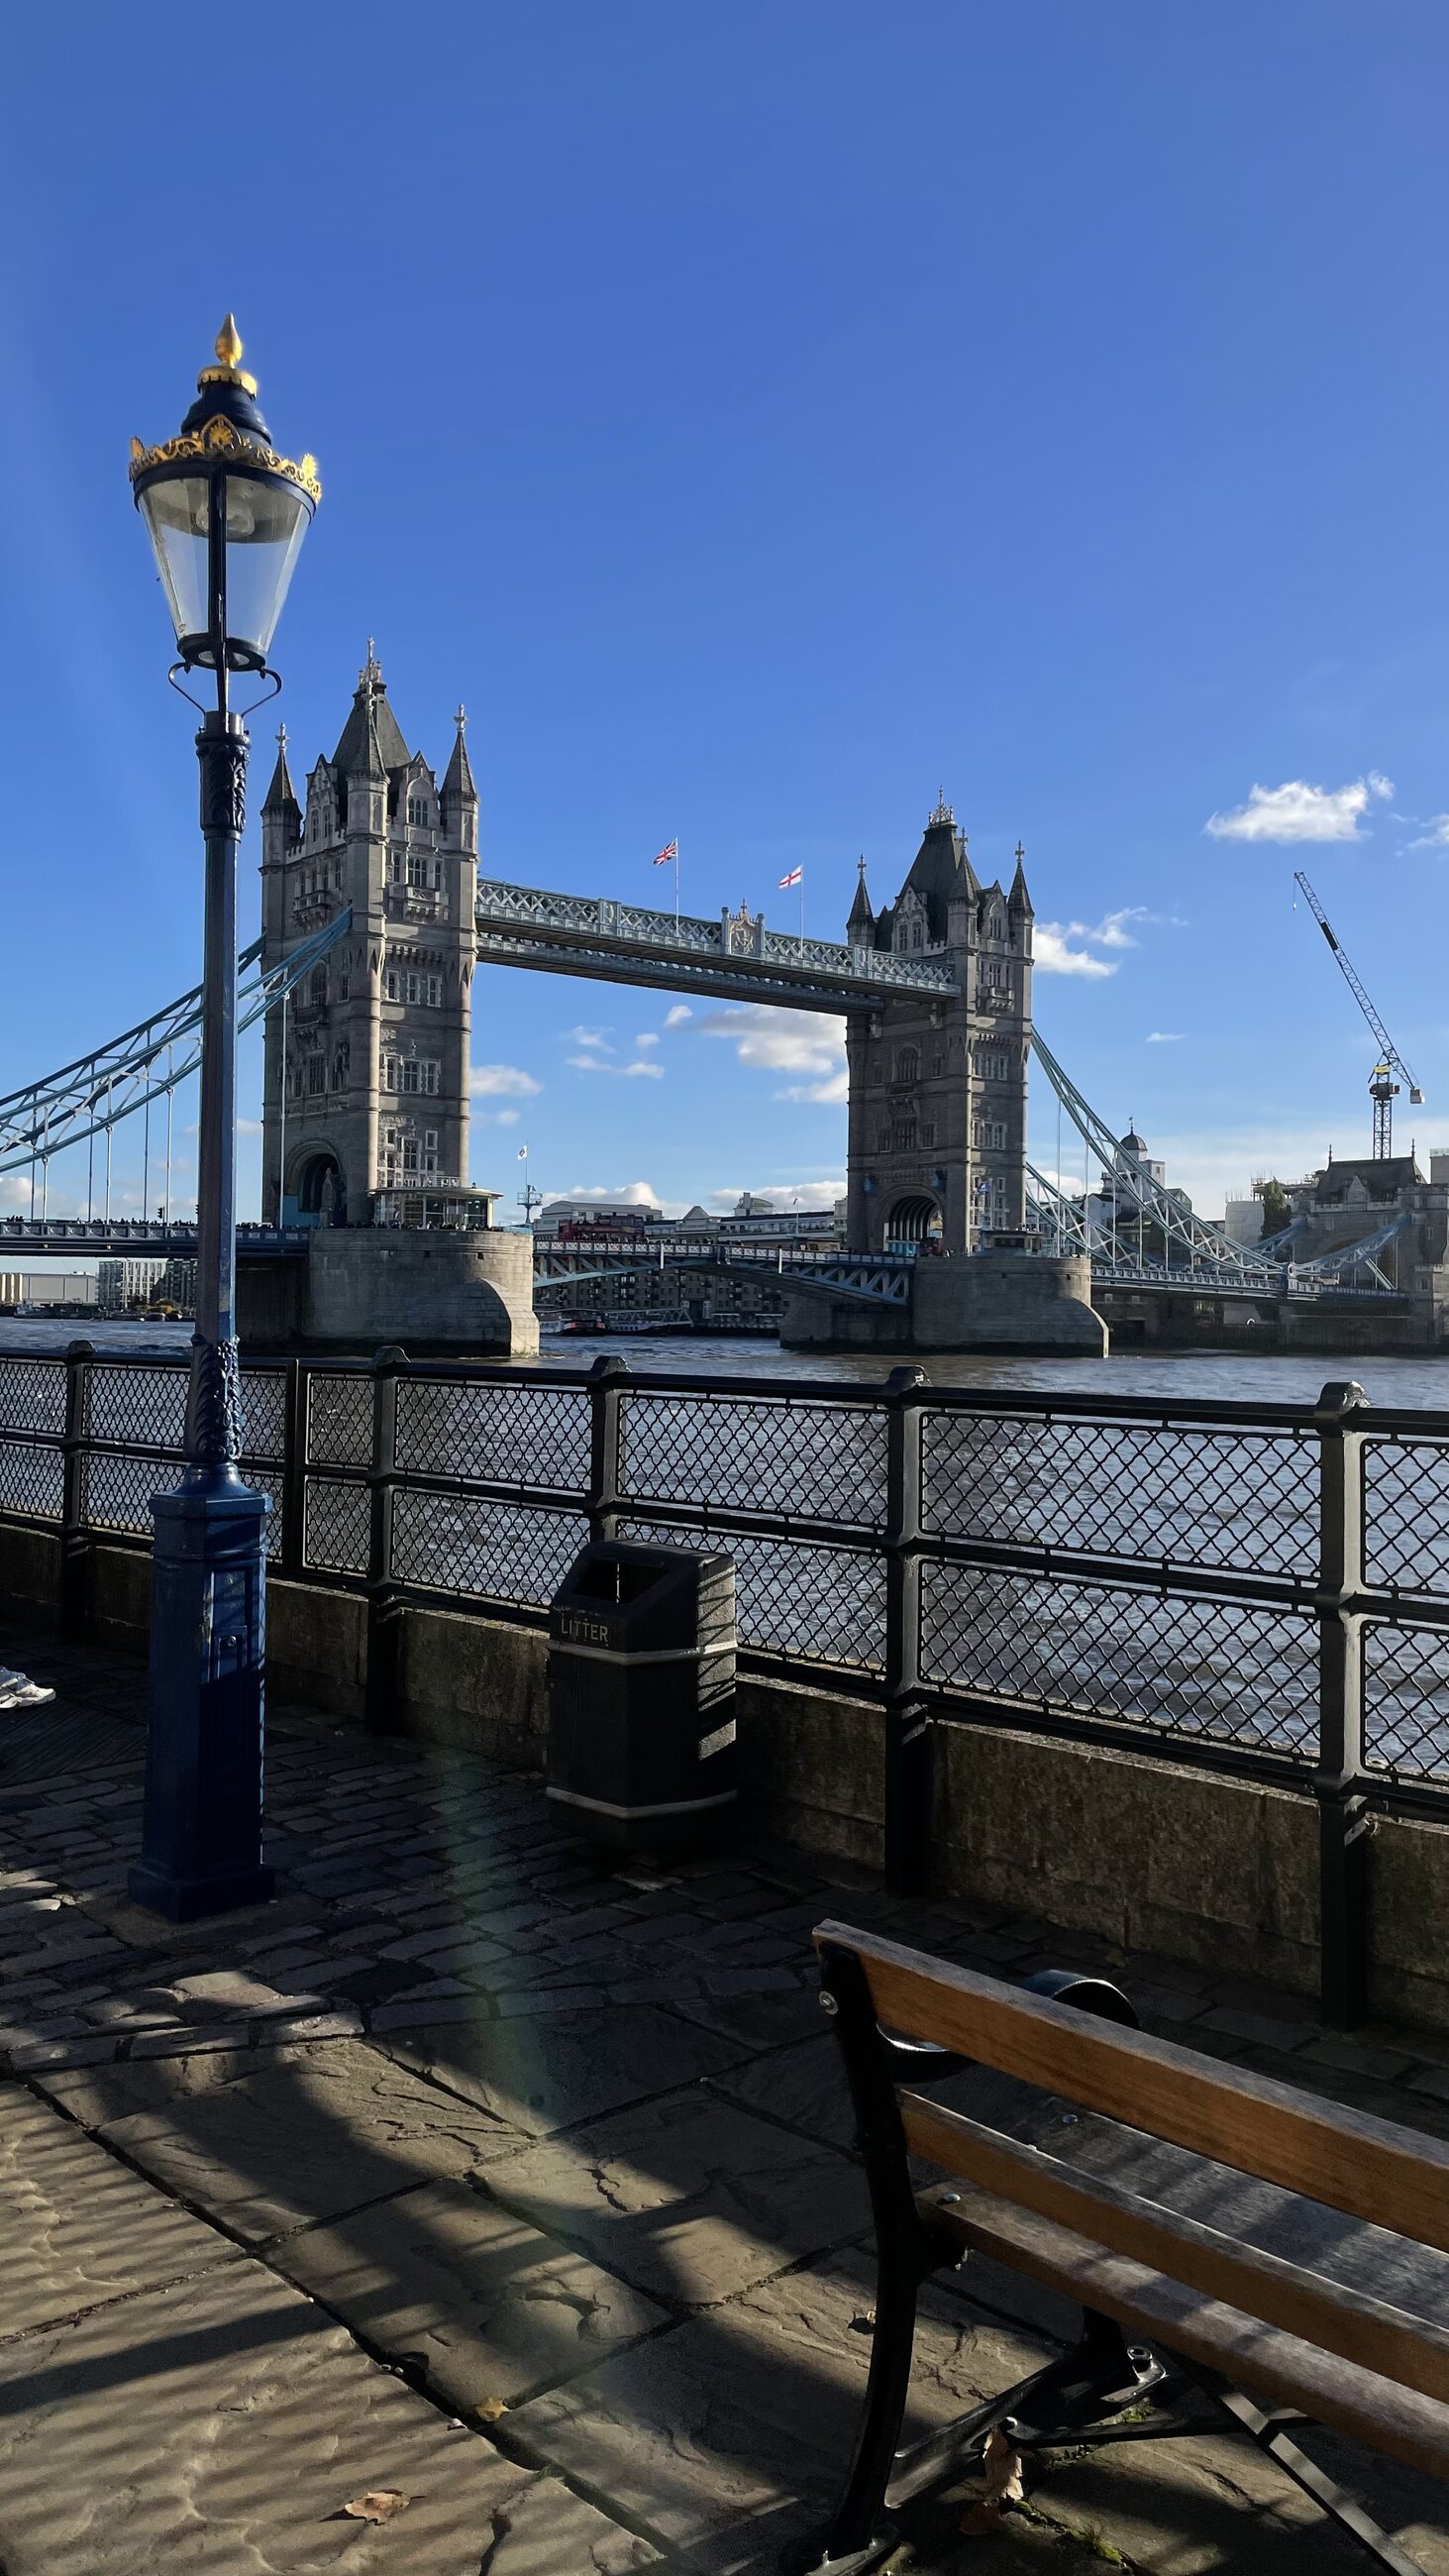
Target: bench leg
x=1267 y=2426
x=857 y=2523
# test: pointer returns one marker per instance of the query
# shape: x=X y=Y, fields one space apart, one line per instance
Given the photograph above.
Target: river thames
x=1421 y=1382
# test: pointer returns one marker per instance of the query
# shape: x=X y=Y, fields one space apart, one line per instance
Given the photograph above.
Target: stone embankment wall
x=1215 y=1870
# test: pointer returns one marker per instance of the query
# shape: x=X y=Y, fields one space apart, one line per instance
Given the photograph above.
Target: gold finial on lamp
x=228 y=370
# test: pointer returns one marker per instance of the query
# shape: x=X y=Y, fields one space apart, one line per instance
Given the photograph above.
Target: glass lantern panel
x=265 y=524
x=175 y=510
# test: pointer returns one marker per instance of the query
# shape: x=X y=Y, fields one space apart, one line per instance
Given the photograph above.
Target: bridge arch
x=912 y=1222
x=319 y=1188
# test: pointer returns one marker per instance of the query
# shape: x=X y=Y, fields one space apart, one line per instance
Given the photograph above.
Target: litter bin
x=641 y=1695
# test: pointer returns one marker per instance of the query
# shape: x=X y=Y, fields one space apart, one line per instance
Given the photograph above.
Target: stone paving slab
x=689 y=2198
x=564 y=2067
x=524 y=2068
x=487 y=2305
x=269 y=2142
x=224 y=2424
x=76 y=2227
x=731 y=2436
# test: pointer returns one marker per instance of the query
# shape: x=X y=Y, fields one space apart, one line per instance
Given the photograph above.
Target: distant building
x=177 y=1284
x=126 y=1283
x=12 y=1287
x=764 y=1224
x=60 y=1288
x=626 y=1214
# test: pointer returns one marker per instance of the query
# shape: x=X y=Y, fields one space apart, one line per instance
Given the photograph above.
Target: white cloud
x=1297 y=812
x=498 y=1118
x=781 y=1041
x=677 y=1014
x=592 y=1064
x=628 y=1193
x=488 y=1081
x=249 y=1126
x=836 y=1086
x=1054 y=957
x=1164 y=1037
x=591 y=1038
x=647 y=1037
x=1437 y=835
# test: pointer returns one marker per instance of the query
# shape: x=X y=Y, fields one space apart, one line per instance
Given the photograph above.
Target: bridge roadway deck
x=134 y=1239
x=472 y=2170
x=730 y=959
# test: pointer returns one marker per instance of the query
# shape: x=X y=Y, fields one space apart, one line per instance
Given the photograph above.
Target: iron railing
x=1255 y=1587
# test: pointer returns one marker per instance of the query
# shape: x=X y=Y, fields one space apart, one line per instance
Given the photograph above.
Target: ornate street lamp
x=226 y=516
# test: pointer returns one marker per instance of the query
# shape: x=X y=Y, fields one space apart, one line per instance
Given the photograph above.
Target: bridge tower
x=366 y=1081
x=937 y=1120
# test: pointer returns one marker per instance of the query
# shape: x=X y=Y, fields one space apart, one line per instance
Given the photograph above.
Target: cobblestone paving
x=473 y=2169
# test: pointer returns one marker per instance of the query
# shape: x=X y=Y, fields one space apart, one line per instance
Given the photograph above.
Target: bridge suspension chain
x=91 y=1096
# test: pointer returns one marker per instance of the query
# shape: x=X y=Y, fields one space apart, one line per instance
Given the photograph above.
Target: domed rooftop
x=1132 y=1143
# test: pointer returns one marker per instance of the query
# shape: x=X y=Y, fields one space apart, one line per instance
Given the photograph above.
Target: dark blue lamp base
x=201 y=1849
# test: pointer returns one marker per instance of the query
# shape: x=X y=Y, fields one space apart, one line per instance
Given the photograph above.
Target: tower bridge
x=374 y=920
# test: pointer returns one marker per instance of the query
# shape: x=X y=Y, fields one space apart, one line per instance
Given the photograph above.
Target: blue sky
x=759 y=415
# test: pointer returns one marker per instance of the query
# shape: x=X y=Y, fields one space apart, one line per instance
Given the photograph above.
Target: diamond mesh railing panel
x=1228 y=1498
x=118 y=1491
x=497 y=1551
x=535 y=1436
x=339 y=1420
x=264 y=1414
x=268 y=1481
x=1406 y=1514
x=32 y=1481
x=741 y=1454
x=1406 y=1700
x=137 y=1405
x=32 y=1395
x=1229 y=1670
x=336 y=1526
x=824 y=1604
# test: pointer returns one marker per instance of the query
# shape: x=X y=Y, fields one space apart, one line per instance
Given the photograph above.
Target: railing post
x=607 y=1380
x=384 y=1629
x=294 y=1470
x=1343 y=1820
x=907 y=1727
x=74 y=1538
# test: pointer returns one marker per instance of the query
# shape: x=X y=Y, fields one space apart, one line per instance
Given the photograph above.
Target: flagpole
x=802 y=907
x=676 y=881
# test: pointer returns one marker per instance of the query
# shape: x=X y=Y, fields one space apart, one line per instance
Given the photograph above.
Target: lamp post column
x=201 y=1849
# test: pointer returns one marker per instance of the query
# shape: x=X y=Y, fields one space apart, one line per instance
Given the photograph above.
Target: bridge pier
x=981 y=1301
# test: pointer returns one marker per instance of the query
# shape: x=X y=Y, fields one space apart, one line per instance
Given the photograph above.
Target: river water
x=1419 y=1382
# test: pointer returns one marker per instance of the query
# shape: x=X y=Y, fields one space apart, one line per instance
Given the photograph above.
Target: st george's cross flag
x=795 y=877
x=669 y=851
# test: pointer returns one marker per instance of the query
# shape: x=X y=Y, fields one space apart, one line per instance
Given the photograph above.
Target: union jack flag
x=669 y=851
x=795 y=877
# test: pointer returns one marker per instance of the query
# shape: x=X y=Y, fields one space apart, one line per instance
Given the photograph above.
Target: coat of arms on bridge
x=744 y=932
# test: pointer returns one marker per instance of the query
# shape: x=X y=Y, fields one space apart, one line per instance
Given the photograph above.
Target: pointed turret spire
x=458 y=777
x=861 y=915
x=281 y=797
x=1019 y=900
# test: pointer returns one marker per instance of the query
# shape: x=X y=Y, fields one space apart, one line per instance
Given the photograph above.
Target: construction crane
x=1383 y=1090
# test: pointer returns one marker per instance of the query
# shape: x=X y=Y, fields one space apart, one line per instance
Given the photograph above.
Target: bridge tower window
x=908 y=1064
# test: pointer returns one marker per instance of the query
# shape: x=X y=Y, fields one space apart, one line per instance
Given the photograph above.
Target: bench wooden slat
x=1349 y=2160
x=1359 y=2328
x=1274 y=2365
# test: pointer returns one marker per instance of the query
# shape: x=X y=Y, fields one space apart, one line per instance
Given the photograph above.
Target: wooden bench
x=1343 y=2326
